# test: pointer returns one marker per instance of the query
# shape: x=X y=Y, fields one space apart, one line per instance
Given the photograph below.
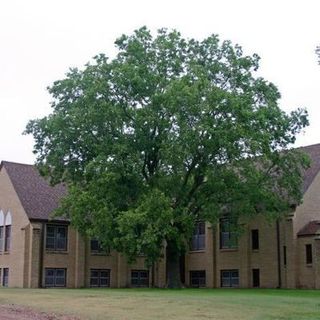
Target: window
x=55 y=277
x=256 y=278
x=284 y=255
x=140 y=278
x=7 y=232
x=95 y=247
x=229 y=278
x=5 y=277
x=1 y=238
x=56 y=237
x=255 y=239
x=308 y=253
x=100 y=278
x=198 y=279
x=228 y=238
x=199 y=237
x=1 y=231
x=7 y=241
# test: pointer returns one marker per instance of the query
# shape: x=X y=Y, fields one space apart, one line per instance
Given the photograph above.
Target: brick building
x=36 y=251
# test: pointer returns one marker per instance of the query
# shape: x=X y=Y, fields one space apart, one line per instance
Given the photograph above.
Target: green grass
x=186 y=304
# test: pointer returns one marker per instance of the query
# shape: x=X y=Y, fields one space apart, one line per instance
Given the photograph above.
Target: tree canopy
x=169 y=132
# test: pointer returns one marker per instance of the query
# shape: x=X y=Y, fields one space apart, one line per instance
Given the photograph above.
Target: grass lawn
x=116 y=304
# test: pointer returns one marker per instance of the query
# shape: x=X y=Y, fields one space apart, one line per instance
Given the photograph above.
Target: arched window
x=1 y=230
x=7 y=241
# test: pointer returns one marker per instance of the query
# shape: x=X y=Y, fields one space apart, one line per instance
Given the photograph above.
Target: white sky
x=40 y=40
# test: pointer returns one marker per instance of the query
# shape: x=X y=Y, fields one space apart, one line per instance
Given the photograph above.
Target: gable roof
x=314 y=153
x=310 y=229
x=38 y=198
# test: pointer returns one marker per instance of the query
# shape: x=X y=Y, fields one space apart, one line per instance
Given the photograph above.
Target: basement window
x=198 y=279
x=55 y=277
x=5 y=277
x=229 y=278
x=100 y=278
x=140 y=278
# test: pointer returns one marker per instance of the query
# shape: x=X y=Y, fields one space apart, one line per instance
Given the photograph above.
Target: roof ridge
x=17 y=163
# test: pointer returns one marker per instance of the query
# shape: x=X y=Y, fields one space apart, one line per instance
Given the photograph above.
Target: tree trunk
x=173 y=267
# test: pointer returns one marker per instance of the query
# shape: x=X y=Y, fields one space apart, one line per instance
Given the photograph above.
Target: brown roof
x=310 y=229
x=37 y=196
x=314 y=152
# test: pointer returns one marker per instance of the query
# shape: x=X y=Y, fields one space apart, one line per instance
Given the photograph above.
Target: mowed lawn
x=170 y=304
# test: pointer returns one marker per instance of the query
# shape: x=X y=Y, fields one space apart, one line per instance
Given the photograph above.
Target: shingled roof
x=314 y=153
x=37 y=196
x=310 y=229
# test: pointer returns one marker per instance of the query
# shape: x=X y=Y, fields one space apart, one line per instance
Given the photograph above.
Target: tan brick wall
x=15 y=259
x=309 y=209
x=27 y=268
x=201 y=260
x=307 y=273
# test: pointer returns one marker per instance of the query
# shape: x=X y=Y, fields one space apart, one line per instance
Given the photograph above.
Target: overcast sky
x=40 y=40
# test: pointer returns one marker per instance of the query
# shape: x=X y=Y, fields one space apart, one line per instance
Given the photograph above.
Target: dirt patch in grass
x=14 y=312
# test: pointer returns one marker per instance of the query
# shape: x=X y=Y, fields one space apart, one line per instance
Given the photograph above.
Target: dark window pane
x=100 y=278
x=140 y=278
x=285 y=255
x=198 y=278
x=55 y=277
x=94 y=244
x=198 y=238
x=255 y=239
x=308 y=253
x=229 y=278
x=255 y=278
x=60 y=272
x=1 y=238
x=50 y=231
x=5 y=280
x=49 y=272
x=8 y=238
x=95 y=273
x=228 y=238
x=94 y=282
x=56 y=237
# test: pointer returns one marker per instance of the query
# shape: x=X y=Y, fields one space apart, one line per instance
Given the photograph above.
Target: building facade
x=36 y=251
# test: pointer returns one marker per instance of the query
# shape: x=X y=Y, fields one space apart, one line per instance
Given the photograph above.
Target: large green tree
x=169 y=132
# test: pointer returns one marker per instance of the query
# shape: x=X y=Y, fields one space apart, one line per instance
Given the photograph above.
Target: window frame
x=232 y=240
x=99 y=278
x=197 y=278
x=100 y=251
x=256 y=278
x=198 y=241
x=309 y=253
x=5 y=277
x=142 y=282
x=2 y=238
x=255 y=241
x=230 y=278
x=54 y=277
x=7 y=239
x=55 y=238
